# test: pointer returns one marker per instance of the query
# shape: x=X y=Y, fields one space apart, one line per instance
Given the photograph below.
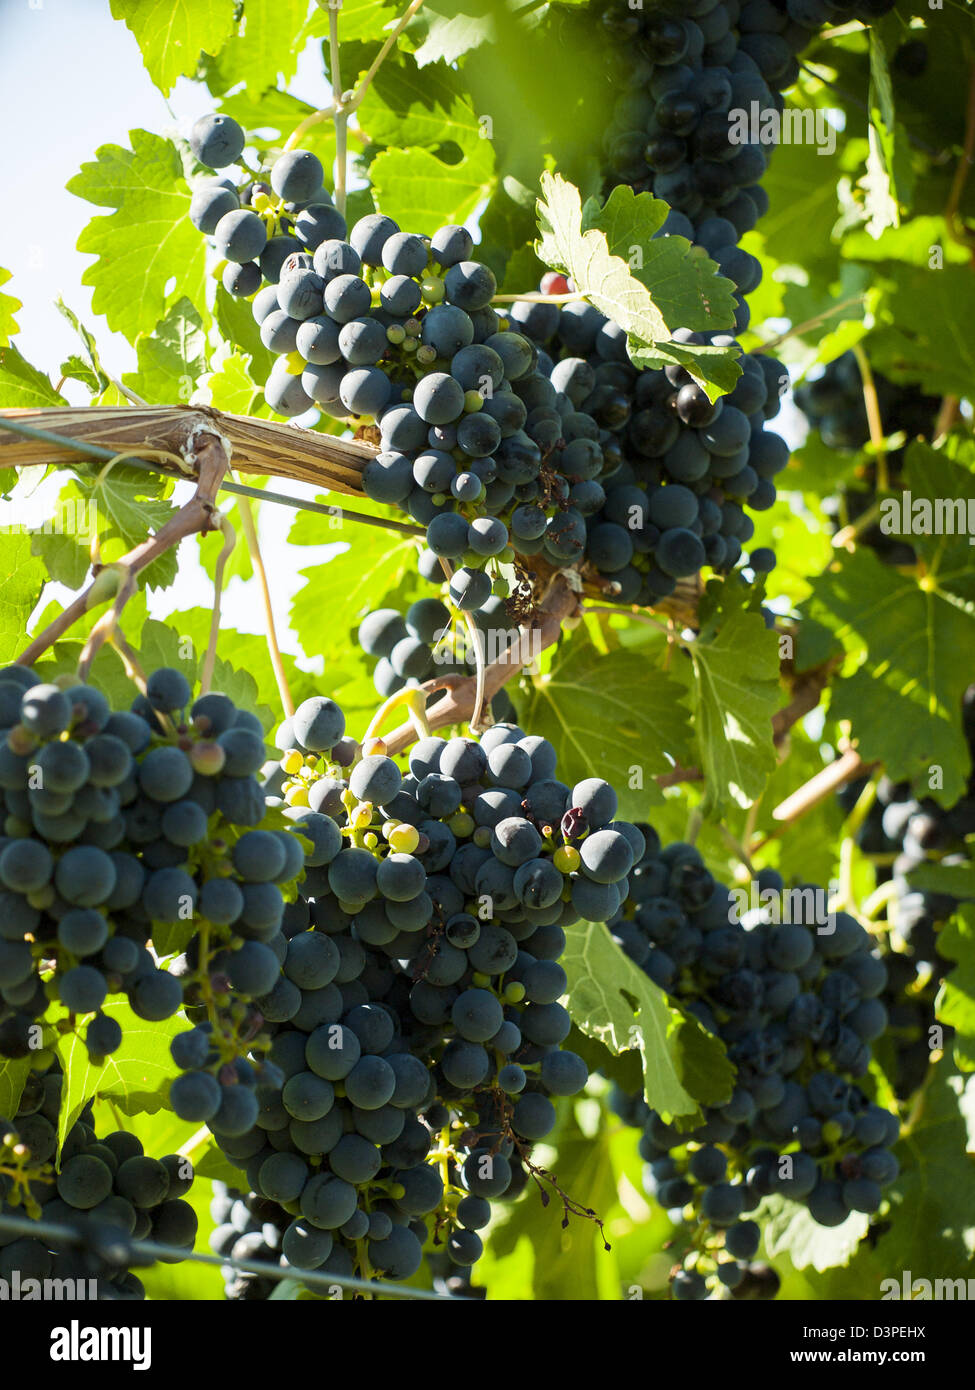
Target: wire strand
x=75 y=1235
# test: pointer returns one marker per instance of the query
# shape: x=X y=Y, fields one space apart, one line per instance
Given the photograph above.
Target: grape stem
x=341 y=114
x=533 y=297
x=274 y=650
x=229 y=541
x=874 y=420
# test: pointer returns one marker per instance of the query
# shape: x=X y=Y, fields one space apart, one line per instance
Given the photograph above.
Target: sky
x=76 y=75
x=72 y=79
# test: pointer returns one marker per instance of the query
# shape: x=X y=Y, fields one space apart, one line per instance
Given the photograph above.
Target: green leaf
x=22 y=385
x=78 y=370
x=173 y=33
x=735 y=692
x=352 y=579
x=790 y=1230
x=684 y=284
x=358 y=19
x=13 y=1079
x=419 y=190
x=904 y=699
x=8 y=307
x=571 y=243
x=955 y=1004
x=612 y=1000
x=66 y=560
x=611 y=712
x=453 y=29
x=148 y=241
x=930 y=312
x=172 y=359
x=99 y=375
x=233 y=390
x=22 y=578
x=933 y=1199
x=267 y=50
x=236 y=322
x=136 y=1076
x=940 y=497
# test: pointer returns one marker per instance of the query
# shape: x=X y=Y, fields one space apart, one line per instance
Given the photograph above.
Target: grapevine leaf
x=8 y=307
x=136 y=1076
x=22 y=385
x=13 y=1079
x=929 y=341
x=101 y=378
x=20 y=588
x=611 y=999
x=933 y=1199
x=237 y=325
x=790 y=1230
x=572 y=243
x=904 y=699
x=955 y=1005
x=265 y=52
x=453 y=29
x=358 y=19
x=173 y=33
x=148 y=241
x=233 y=390
x=419 y=190
x=171 y=359
x=352 y=578
x=684 y=284
x=584 y=255
x=609 y=711
x=735 y=692
x=940 y=494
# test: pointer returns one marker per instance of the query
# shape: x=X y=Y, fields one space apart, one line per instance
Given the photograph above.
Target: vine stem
x=341 y=114
x=274 y=651
x=797 y=331
x=358 y=95
x=196 y=515
x=872 y=403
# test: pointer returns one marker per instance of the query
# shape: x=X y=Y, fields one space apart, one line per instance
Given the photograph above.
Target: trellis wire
x=241 y=489
x=72 y=1235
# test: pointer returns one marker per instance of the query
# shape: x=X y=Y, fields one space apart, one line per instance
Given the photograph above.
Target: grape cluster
x=106 y=1193
x=121 y=828
x=834 y=406
x=688 y=66
x=415 y=1028
x=797 y=1006
x=902 y=832
x=377 y=326
x=246 y=1227
x=690 y=467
